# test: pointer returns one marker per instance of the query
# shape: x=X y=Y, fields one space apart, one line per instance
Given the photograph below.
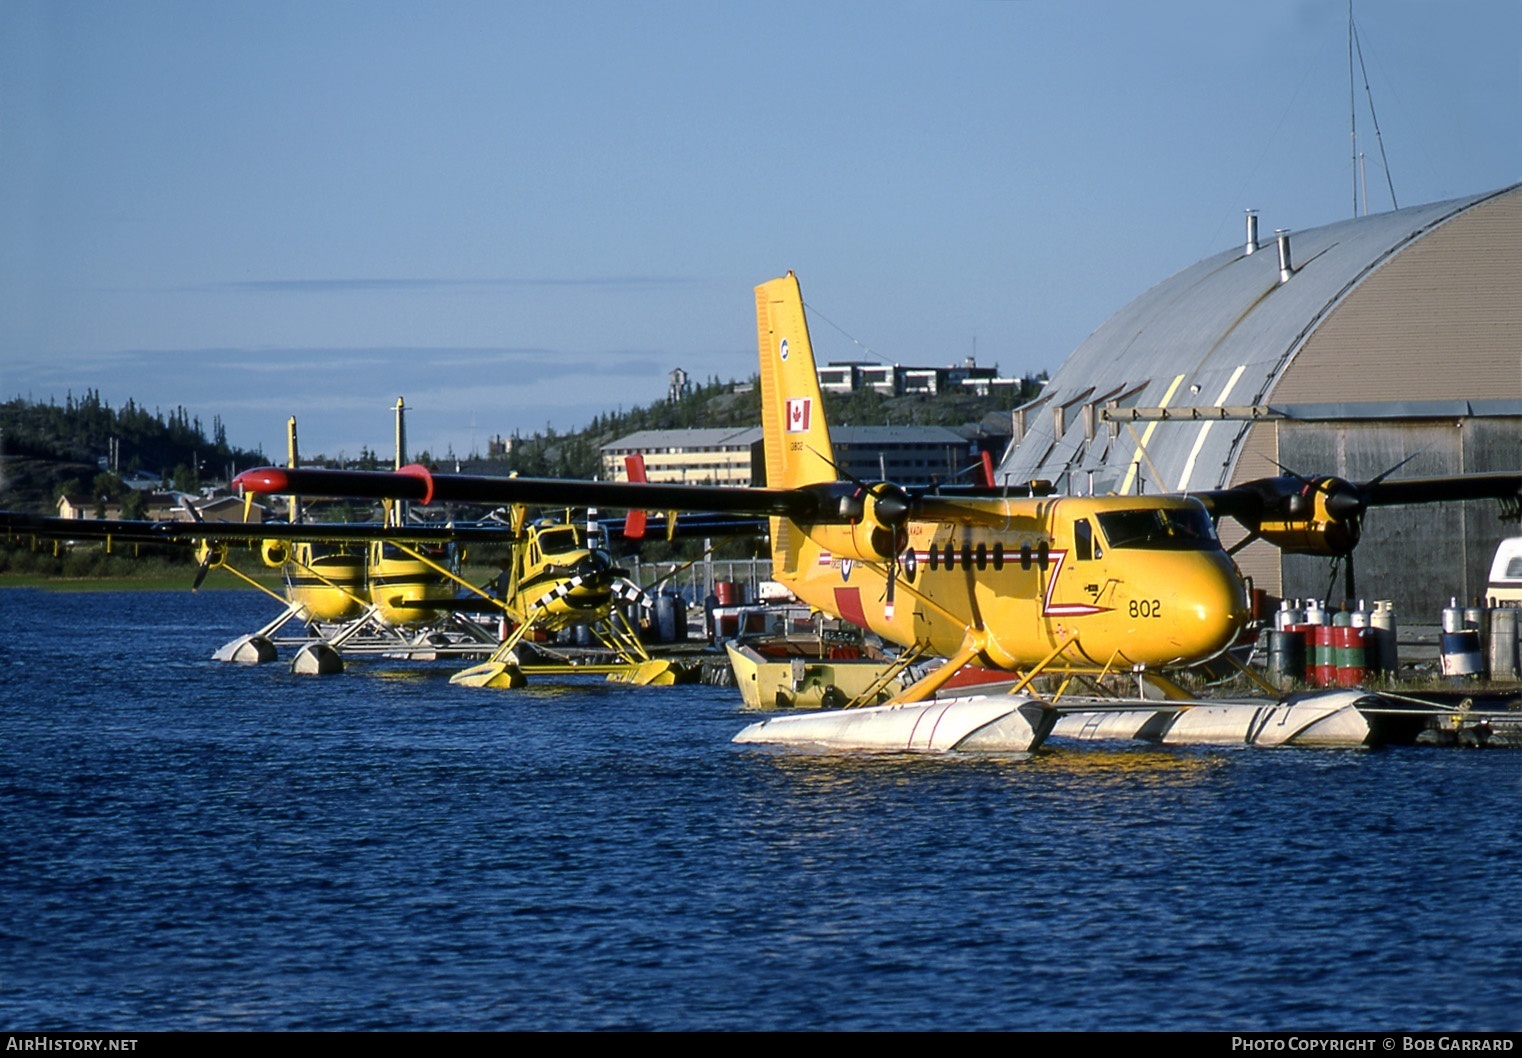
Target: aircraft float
x=1016 y=579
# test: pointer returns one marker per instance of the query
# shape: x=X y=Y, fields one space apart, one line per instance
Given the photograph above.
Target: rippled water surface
x=188 y=844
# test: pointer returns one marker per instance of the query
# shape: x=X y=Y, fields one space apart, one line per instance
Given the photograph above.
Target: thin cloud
x=396 y=285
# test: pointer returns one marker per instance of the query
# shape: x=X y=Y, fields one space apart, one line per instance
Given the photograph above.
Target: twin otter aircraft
x=1010 y=579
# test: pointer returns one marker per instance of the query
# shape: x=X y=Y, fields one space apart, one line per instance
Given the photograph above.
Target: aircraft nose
x=590 y=568
x=1212 y=609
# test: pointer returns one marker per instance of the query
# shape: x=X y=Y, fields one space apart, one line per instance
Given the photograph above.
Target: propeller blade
x=1397 y=466
x=201 y=572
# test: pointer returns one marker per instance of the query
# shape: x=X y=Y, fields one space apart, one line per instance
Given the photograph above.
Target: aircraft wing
x=1324 y=515
x=420 y=485
x=838 y=501
x=1290 y=495
x=1437 y=490
x=130 y=531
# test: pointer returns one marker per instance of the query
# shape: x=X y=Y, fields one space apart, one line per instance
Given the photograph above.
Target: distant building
x=908 y=455
x=894 y=380
x=710 y=456
x=163 y=507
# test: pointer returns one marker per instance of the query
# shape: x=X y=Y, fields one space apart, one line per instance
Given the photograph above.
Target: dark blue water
x=188 y=844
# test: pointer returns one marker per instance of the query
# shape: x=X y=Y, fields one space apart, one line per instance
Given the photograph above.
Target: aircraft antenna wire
x=815 y=313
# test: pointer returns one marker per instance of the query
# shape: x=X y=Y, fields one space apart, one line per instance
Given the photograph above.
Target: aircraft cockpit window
x=559 y=541
x=1160 y=529
x=1083 y=539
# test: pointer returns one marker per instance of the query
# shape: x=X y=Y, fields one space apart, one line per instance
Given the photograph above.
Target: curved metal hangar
x=1337 y=350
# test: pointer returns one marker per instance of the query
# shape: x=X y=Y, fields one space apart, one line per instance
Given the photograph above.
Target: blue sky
x=523 y=214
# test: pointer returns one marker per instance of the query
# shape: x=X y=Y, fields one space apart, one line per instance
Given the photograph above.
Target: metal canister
x=1503 y=643
x=1382 y=624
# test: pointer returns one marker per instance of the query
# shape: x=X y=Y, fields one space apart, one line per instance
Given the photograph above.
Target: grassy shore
x=151 y=582
x=175 y=580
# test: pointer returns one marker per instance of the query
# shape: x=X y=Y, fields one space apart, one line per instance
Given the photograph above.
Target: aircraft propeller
x=1324 y=515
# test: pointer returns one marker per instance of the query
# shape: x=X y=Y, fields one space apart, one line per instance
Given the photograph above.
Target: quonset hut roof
x=1225 y=334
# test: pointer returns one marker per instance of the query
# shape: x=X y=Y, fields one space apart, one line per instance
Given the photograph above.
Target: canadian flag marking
x=799 y=410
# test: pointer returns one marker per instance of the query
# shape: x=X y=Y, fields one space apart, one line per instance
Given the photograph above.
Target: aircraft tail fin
x=797 y=438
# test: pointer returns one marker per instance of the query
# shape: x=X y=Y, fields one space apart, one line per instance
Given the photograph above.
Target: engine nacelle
x=861 y=542
x=868 y=523
x=211 y=553
x=1322 y=518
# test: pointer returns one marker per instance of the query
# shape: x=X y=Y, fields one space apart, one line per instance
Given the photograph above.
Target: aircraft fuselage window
x=951 y=555
x=1083 y=540
x=982 y=556
x=1043 y=554
x=1025 y=556
x=998 y=554
x=559 y=541
x=966 y=555
x=935 y=556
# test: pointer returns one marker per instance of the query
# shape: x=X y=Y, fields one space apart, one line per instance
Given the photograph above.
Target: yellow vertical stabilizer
x=797 y=437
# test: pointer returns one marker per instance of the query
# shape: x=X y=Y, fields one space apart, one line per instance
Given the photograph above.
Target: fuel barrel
x=1324 y=659
x=1348 y=648
x=1286 y=655
x=1461 y=653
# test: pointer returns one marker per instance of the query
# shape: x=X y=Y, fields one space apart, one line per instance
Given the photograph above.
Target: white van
x=1505 y=588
